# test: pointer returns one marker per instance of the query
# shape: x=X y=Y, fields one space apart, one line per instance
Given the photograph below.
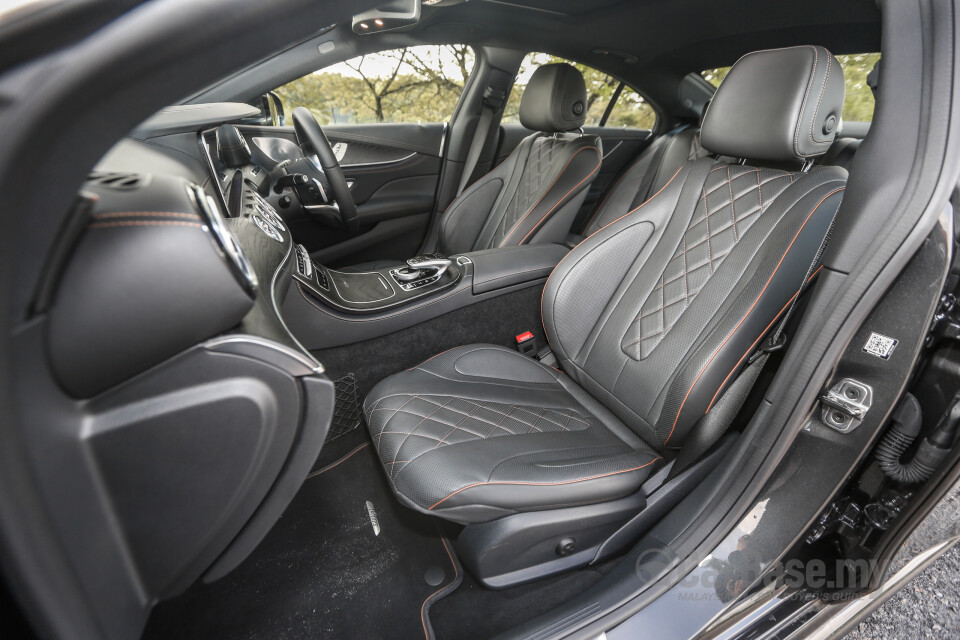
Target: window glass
x=630 y=110
x=413 y=84
x=858 y=104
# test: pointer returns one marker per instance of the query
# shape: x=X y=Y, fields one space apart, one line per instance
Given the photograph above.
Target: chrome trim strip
x=276 y=308
x=310 y=364
x=379 y=164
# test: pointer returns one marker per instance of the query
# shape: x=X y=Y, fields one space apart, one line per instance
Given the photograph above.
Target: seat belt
x=711 y=427
x=493 y=99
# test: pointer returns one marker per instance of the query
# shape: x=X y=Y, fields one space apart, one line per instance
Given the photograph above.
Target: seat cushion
x=479 y=432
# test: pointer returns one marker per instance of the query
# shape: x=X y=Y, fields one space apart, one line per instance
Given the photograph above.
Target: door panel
x=393 y=170
x=621 y=147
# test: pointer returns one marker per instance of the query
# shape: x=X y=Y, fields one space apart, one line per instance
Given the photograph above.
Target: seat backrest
x=534 y=195
x=647 y=175
x=656 y=312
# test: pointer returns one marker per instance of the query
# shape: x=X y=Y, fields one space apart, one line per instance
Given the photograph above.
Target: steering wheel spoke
x=313 y=140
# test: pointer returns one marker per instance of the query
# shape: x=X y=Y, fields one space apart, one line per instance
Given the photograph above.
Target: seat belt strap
x=493 y=98
x=473 y=154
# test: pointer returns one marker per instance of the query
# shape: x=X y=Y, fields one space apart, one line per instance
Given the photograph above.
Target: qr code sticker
x=880 y=346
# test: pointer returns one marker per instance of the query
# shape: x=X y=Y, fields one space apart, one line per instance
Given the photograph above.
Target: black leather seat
x=652 y=169
x=651 y=317
x=534 y=195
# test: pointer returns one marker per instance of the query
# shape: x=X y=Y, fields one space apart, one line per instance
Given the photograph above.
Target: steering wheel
x=313 y=140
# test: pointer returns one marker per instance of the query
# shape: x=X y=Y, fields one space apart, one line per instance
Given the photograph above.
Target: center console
x=329 y=308
x=368 y=292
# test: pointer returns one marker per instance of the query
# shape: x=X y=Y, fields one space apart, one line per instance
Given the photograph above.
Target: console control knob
x=407 y=274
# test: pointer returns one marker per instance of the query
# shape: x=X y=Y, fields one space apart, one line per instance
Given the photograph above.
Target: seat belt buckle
x=526 y=343
x=770 y=344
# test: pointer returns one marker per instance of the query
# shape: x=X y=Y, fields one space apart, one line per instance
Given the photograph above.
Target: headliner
x=668 y=38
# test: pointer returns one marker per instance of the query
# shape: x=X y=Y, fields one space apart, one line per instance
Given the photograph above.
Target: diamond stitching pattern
x=732 y=199
x=530 y=187
x=418 y=424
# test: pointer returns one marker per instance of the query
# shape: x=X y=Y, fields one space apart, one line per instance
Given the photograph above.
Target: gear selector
x=421 y=271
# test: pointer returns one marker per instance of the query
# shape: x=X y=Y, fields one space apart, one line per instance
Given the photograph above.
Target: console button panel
x=415 y=284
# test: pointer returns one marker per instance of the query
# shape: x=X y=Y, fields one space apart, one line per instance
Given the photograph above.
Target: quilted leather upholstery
x=481 y=431
x=651 y=318
x=595 y=295
x=731 y=201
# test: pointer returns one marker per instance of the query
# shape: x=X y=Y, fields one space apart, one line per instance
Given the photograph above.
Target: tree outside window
x=630 y=110
x=413 y=84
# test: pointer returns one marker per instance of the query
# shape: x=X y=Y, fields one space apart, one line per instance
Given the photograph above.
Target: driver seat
x=534 y=195
x=652 y=318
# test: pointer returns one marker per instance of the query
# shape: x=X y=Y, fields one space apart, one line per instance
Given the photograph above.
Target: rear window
x=858 y=104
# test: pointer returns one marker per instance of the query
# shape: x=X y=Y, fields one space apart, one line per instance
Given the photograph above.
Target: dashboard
x=237 y=236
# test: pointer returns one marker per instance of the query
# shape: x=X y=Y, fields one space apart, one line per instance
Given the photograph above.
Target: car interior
x=438 y=379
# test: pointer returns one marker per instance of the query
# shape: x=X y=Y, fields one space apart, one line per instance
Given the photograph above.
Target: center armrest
x=507 y=266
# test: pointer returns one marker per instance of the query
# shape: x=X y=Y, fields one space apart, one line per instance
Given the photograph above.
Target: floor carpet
x=322 y=572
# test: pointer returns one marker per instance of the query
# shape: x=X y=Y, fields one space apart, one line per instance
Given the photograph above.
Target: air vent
x=117 y=180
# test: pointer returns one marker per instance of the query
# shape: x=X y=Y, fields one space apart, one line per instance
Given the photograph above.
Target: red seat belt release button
x=526 y=343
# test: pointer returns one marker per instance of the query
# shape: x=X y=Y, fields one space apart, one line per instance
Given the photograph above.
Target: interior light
x=364 y=25
x=378 y=22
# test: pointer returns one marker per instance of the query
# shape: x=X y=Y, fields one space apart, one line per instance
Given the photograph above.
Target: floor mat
x=474 y=613
x=322 y=572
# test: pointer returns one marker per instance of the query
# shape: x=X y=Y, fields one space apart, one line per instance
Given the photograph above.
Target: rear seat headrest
x=555 y=99
x=777 y=105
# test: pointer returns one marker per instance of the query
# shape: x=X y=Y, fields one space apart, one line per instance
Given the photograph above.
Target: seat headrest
x=555 y=99
x=778 y=105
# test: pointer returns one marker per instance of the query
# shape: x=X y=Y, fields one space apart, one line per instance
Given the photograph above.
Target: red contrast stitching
x=749 y=311
x=546 y=484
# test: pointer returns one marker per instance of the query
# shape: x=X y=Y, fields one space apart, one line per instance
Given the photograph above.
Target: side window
x=413 y=84
x=629 y=109
x=858 y=104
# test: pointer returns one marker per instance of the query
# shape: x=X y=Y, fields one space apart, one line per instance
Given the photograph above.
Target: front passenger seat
x=651 y=318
